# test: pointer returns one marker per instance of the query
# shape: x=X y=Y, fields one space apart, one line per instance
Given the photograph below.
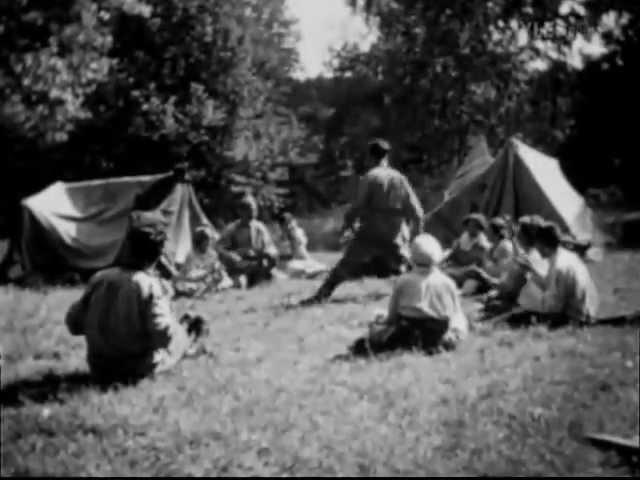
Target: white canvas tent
x=521 y=181
x=82 y=225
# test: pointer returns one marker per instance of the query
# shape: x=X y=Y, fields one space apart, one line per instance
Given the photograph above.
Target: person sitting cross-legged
x=202 y=270
x=127 y=318
x=495 y=267
x=247 y=248
x=301 y=264
x=470 y=249
x=568 y=292
x=425 y=308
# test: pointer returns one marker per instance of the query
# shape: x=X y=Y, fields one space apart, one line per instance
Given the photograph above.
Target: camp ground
x=319 y=238
x=273 y=395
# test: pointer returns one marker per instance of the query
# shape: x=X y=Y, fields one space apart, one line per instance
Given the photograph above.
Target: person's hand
x=525 y=262
x=235 y=257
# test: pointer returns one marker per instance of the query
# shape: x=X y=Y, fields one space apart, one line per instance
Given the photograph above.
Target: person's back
x=118 y=306
x=430 y=295
x=387 y=205
x=580 y=294
x=425 y=307
x=126 y=317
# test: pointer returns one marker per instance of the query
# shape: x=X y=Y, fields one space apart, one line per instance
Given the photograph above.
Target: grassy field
x=273 y=402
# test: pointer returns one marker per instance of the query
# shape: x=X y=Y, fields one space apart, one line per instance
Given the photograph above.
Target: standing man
x=385 y=209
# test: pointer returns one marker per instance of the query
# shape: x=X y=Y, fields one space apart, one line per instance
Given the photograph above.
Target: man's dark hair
x=528 y=228
x=379 y=148
x=549 y=235
x=145 y=246
x=146 y=238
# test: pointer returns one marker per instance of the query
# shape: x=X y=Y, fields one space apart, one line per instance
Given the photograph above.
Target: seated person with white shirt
x=568 y=294
x=425 y=308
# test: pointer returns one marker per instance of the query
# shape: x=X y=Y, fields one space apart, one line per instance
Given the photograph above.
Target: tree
x=97 y=88
x=601 y=148
x=447 y=69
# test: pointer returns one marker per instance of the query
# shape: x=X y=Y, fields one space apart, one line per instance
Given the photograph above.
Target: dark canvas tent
x=80 y=226
x=521 y=181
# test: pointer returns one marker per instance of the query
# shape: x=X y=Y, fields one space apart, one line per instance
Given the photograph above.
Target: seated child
x=127 y=318
x=470 y=249
x=246 y=247
x=496 y=265
x=514 y=287
x=425 y=308
x=202 y=271
x=301 y=264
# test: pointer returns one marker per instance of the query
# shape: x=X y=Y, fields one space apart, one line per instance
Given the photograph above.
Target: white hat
x=426 y=250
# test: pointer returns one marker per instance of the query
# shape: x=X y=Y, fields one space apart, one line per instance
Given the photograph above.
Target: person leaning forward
x=126 y=314
x=385 y=208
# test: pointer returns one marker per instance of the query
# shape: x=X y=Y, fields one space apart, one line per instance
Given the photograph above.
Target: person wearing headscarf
x=425 y=309
x=568 y=292
x=126 y=315
x=247 y=248
x=202 y=270
x=385 y=208
x=301 y=264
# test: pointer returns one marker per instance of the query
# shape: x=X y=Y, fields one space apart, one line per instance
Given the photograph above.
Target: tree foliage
x=95 y=88
x=442 y=70
x=601 y=147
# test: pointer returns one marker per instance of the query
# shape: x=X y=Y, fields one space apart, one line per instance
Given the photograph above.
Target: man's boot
x=324 y=292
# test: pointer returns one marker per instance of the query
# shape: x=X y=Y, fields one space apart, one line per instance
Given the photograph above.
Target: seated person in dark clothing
x=127 y=317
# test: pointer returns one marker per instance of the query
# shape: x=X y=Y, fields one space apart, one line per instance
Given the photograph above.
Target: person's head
x=426 y=251
x=548 y=239
x=379 y=149
x=248 y=208
x=146 y=238
x=498 y=229
x=287 y=220
x=527 y=231
x=203 y=239
x=475 y=224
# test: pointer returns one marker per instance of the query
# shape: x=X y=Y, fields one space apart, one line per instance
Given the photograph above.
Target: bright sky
x=324 y=24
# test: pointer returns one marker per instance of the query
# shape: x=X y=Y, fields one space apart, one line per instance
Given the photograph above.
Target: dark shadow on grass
x=357 y=299
x=368 y=297
x=359 y=351
x=51 y=387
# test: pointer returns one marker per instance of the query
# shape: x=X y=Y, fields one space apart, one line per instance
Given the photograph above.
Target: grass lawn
x=273 y=402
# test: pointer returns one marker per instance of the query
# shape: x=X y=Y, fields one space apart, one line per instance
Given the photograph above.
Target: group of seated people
x=532 y=268
x=127 y=317
x=524 y=276
x=243 y=255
